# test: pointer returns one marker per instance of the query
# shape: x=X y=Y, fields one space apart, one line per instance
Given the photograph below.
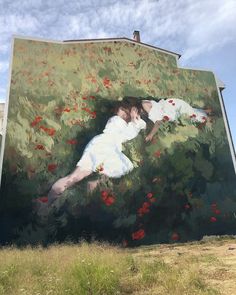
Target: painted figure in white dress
x=170 y=110
x=167 y=110
x=104 y=152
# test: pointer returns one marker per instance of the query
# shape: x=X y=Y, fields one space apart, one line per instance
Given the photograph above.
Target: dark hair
x=121 y=104
x=137 y=102
x=133 y=102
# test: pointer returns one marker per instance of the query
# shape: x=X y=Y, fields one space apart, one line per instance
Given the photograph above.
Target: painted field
x=177 y=186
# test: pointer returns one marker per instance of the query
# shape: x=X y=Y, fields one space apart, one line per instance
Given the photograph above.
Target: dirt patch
x=216 y=260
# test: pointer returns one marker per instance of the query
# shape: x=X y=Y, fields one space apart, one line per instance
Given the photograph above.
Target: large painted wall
x=61 y=94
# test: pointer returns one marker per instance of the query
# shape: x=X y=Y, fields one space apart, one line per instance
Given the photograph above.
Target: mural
x=112 y=141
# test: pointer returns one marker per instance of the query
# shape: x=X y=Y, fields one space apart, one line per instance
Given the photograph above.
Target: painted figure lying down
x=104 y=151
x=170 y=110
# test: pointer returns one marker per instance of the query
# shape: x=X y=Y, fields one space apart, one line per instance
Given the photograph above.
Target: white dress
x=173 y=108
x=105 y=150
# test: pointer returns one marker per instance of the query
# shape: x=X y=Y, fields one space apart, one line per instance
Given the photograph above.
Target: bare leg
x=65 y=182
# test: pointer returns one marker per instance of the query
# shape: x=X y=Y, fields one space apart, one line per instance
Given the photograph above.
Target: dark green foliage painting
x=182 y=185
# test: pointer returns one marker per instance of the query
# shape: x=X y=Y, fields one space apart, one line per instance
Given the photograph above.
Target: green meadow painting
x=176 y=184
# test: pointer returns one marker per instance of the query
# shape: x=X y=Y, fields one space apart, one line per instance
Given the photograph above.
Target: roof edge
x=124 y=39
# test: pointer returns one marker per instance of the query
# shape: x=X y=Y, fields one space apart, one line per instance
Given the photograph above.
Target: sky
x=202 y=31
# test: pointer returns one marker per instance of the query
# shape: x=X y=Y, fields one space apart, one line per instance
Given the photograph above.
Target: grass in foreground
x=103 y=269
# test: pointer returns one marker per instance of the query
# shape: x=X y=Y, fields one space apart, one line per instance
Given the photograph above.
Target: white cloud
x=190 y=26
x=214 y=28
x=3 y=66
x=13 y=23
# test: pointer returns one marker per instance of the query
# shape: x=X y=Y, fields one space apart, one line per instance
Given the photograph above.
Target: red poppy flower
x=72 y=141
x=146 y=205
x=138 y=235
x=66 y=110
x=213 y=219
x=84 y=98
x=175 y=237
x=106 y=82
x=149 y=195
x=107 y=198
x=146 y=210
x=143 y=210
x=36 y=121
x=49 y=131
x=39 y=147
x=43 y=199
x=91 y=96
x=157 y=154
x=93 y=114
x=86 y=110
x=52 y=167
x=104 y=194
x=165 y=118
x=217 y=211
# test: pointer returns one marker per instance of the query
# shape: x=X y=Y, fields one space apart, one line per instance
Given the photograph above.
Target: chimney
x=136 y=36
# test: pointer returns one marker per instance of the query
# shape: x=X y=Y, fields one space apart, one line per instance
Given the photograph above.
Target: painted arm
x=153 y=131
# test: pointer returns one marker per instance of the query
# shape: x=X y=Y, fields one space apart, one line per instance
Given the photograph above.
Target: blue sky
x=202 y=31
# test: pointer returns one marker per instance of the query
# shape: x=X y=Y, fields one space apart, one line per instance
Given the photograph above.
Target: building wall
x=61 y=96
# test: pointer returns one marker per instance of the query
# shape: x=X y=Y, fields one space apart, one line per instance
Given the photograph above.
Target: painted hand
x=134 y=114
x=148 y=137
